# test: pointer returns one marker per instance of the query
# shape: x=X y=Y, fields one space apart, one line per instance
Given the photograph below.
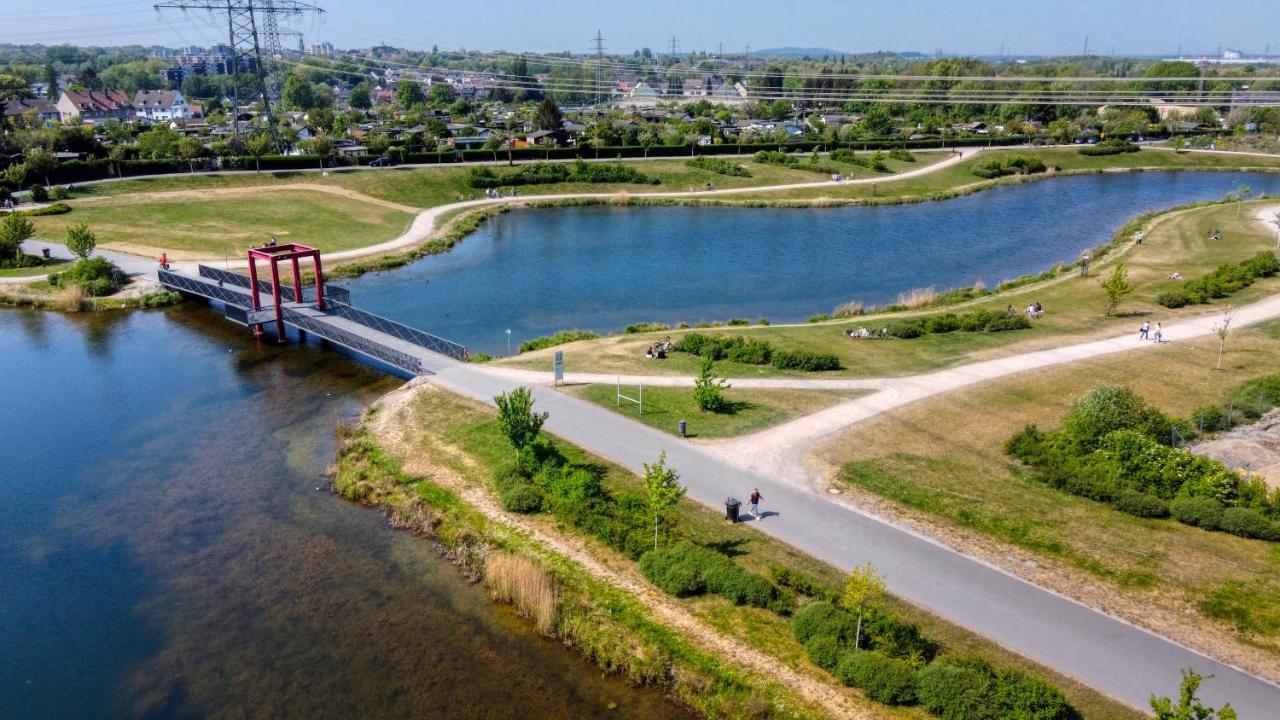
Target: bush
x=560 y=338
x=688 y=569
x=1107 y=408
x=1140 y=504
x=1200 y=512
x=1027 y=445
x=956 y=691
x=1027 y=698
x=96 y=276
x=751 y=352
x=896 y=638
x=883 y=679
x=1248 y=523
x=634 y=328
x=39 y=193
x=550 y=173
x=1010 y=165
x=799 y=582
x=1173 y=298
x=823 y=619
x=902 y=155
x=521 y=497
x=718 y=166
x=804 y=360
x=57 y=208
x=1109 y=147
x=824 y=651
x=59 y=192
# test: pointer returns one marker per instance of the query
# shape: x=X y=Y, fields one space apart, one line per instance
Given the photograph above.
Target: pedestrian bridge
x=335 y=320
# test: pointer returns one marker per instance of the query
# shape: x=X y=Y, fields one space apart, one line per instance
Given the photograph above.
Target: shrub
x=57 y=208
x=804 y=360
x=1010 y=165
x=1027 y=698
x=1173 y=298
x=551 y=173
x=751 y=352
x=559 y=338
x=824 y=651
x=59 y=192
x=823 y=619
x=672 y=573
x=1109 y=147
x=1200 y=512
x=645 y=327
x=39 y=193
x=883 y=679
x=718 y=166
x=799 y=582
x=96 y=276
x=1140 y=504
x=956 y=691
x=896 y=638
x=1027 y=445
x=1105 y=409
x=1248 y=523
x=902 y=155
x=689 y=569
x=521 y=498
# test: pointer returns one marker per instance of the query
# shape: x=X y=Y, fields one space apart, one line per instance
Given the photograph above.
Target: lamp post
x=508 y=342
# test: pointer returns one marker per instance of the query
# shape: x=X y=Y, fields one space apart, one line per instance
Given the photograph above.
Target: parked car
x=383 y=162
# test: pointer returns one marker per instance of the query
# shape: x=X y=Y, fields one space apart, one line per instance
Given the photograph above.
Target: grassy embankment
x=1074 y=308
x=941 y=463
x=457 y=444
x=749 y=409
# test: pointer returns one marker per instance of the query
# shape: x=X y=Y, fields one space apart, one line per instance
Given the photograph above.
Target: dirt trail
x=251 y=190
x=392 y=426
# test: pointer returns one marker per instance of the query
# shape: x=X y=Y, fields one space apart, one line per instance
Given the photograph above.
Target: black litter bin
x=45 y=252
x=731 y=506
x=683 y=428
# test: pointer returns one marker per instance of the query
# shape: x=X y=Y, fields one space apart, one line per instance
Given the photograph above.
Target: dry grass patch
x=521 y=581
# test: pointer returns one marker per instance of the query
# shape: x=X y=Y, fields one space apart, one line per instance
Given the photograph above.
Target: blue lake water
x=601 y=268
x=169 y=548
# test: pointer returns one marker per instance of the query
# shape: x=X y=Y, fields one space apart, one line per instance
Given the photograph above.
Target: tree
x=548 y=116
x=158 y=143
x=13 y=87
x=297 y=93
x=663 y=488
x=1177 y=142
x=321 y=146
x=1117 y=287
x=863 y=590
x=360 y=97
x=190 y=148
x=1189 y=706
x=708 y=390
x=408 y=94
x=1223 y=330
x=440 y=95
x=1239 y=195
x=14 y=229
x=516 y=418
x=15 y=174
x=41 y=161
x=50 y=82
x=81 y=240
x=257 y=146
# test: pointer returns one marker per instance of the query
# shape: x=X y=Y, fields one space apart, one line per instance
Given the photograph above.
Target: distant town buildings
x=96 y=106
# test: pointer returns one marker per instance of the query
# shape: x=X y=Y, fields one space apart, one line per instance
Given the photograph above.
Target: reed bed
x=522 y=582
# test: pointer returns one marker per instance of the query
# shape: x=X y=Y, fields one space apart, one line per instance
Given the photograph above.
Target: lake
x=602 y=268
x=169 y=547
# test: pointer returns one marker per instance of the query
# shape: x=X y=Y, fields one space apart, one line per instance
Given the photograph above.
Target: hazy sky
x=953 y=26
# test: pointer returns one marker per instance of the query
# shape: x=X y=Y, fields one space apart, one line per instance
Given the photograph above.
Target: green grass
x=1074 y=307
x=468 y=435
x=216 y=225
x=750 y=409
x=942 y=462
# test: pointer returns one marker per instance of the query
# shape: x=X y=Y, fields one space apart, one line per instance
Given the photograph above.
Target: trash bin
x=682 y=427
x=45 y=252
x=731 y=506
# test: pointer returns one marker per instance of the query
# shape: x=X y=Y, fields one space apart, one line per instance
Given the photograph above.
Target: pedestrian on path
x=1144 y=331
x=1159 y=336
x=754 y=501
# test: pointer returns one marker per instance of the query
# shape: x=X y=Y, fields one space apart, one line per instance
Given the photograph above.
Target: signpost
x=559 y=366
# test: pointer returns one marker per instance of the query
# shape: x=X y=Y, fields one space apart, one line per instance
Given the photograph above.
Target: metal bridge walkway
x=341 y=323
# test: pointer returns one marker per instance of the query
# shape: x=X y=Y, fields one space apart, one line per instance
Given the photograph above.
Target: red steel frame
x=273 y=254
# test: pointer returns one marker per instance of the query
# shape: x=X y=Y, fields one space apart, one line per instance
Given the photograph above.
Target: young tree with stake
x=663 y=488
x=81 y=241
x=862 y=592
x=1223 y=330
x=516 y=418
x=1117 y=287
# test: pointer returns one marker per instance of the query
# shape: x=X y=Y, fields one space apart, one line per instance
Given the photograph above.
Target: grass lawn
x=468 y=434
x=941 y=462
x=42 y=268
x=1074 y=310
x=210 y=226
x=751 y=409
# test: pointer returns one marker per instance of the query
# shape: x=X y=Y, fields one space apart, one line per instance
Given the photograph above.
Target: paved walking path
x=1106 y=653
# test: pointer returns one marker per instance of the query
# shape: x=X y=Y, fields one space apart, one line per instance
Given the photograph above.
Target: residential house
x=161 y=105
x=96 y=106
x=471 y=142
x=19 y=107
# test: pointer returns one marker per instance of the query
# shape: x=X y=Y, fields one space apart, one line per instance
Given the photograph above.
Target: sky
x=980 y=27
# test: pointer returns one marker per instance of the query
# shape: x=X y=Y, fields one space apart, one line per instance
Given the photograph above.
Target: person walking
x=754 y=501
x=1144 y=331
x=1158 y=336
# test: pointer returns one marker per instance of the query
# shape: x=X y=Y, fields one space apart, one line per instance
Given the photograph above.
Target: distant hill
x=797 y=52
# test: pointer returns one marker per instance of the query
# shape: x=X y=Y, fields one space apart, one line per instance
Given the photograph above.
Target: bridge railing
x=195 y=286
x=352 y=341
x=331 y=292
x=422 y=339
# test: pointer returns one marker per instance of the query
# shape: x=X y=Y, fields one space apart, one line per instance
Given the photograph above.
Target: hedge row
x=1109 y=147
x=1223 y=281
x=976 y=321
x=560 y=338
x=1113 y=448
x=1011 y=165
x=551 y=173
x=686 y=569
x=894 y=665
x=792 y=162
x=873 y=161
x=718 y=166
x=737 y=348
